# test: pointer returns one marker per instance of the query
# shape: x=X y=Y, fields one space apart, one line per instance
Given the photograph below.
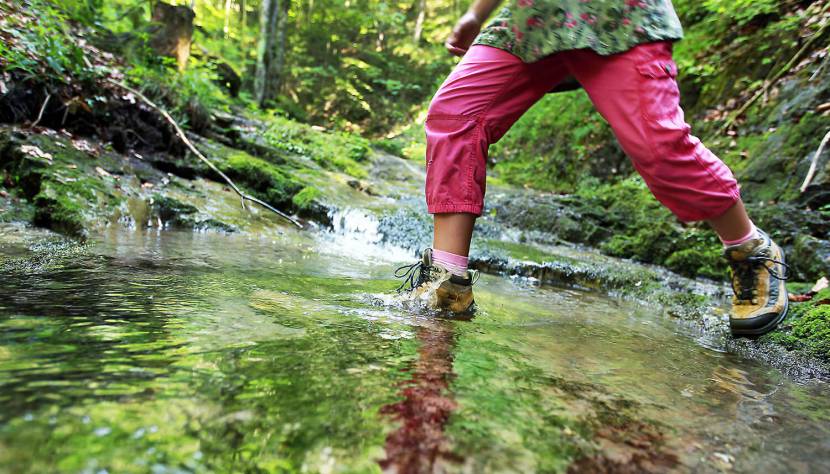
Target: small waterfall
x=355 y=233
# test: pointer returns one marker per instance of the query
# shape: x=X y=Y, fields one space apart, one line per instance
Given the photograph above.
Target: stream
x=167 y=351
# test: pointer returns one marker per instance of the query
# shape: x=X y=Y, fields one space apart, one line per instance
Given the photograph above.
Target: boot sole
x=763 y=329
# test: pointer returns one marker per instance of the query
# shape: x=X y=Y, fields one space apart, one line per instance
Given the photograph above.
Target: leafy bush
x=43 y=46
x=190 y=94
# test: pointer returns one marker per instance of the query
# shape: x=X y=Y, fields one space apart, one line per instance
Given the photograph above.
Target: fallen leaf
x=800 y=298
x=102 y=171
x=32 y=150
x=84 y=146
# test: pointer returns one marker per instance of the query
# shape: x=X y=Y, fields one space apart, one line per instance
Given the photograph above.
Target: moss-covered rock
x=807 y=327
x=810 y=257
x=61 y=182
x=265 y=180
x=331 y=150
x=61 y=208
x=169 y=208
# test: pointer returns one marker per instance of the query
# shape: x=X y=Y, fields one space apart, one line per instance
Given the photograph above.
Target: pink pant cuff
x=445 y=208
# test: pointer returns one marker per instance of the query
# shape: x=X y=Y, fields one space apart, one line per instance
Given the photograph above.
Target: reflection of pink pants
x=635 y=91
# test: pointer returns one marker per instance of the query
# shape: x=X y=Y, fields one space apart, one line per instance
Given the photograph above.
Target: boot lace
x=745 y=275
x=413 y=275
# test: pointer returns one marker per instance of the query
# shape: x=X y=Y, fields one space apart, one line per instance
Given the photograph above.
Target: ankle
x=752 y=234
x=455 y=264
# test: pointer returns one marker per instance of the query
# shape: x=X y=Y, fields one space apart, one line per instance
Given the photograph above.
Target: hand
x=463 y=34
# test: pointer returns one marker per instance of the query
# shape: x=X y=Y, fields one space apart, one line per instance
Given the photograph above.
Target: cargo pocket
x=659 y=95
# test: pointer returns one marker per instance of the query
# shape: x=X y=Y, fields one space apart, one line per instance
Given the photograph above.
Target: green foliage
x=190 y=96
x=730 y=47
x=353 y=64
x=389 y=145
x=556 y=143
x=41 y=46
x=740 y=11
x=408 y=141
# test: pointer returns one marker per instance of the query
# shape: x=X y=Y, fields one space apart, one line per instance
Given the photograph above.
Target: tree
x=174 y=33
x=419 y=22
x=271 y=50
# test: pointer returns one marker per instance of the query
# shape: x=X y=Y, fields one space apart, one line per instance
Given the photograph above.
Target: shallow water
x=188 y=352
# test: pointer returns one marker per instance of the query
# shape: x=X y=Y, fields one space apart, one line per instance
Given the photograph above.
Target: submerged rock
x=810 y=257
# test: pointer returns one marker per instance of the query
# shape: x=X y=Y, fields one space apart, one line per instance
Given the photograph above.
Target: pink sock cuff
x=751 y=234
x=456 y=264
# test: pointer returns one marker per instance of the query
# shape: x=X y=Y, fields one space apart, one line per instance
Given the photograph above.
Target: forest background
x=753 y=79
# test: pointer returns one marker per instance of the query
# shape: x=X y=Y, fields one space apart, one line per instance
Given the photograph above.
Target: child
x=620 y=52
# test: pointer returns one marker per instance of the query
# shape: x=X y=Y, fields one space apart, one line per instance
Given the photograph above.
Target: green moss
x=813 y=329
x=525 y=252
x=807 y=327
x=776 y=157
x=706 y=262
x=168 y=207
x=307 y=198
x=266 y=180
x=61 y=208
x=332 y=150
x=683 y=305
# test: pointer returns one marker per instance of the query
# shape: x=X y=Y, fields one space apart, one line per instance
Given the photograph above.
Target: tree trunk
x=419 y=23
x=175 y=32
x=271 y=50
x=227 y=29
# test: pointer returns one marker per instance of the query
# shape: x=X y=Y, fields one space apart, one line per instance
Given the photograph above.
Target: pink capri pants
x=635 y=91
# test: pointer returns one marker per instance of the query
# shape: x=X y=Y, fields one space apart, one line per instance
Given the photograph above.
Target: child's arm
x=469 y=25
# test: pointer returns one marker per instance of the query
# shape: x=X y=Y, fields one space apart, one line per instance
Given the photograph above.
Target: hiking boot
x=758 y=273
x=439 y=289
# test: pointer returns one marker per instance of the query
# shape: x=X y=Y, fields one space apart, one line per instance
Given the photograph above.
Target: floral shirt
x=533 y=29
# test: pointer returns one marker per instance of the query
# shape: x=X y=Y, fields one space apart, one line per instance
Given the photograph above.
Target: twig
x=772 y=80
x=199 y=155
x=814 y=162
x=42 y=109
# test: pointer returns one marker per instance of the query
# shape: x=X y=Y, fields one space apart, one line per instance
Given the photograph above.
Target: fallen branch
x=814 y=163
x=42 y=109
x=772 y=80
x=183 y=137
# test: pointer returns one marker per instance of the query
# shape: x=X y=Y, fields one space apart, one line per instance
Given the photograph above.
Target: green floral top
x=533 y=29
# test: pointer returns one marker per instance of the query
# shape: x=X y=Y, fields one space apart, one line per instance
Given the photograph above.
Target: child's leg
x=637 y=94
x=452 y=232
x=485 y=94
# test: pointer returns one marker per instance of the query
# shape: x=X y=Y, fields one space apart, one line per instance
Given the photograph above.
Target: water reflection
x=420 y=444
x=211 y=353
